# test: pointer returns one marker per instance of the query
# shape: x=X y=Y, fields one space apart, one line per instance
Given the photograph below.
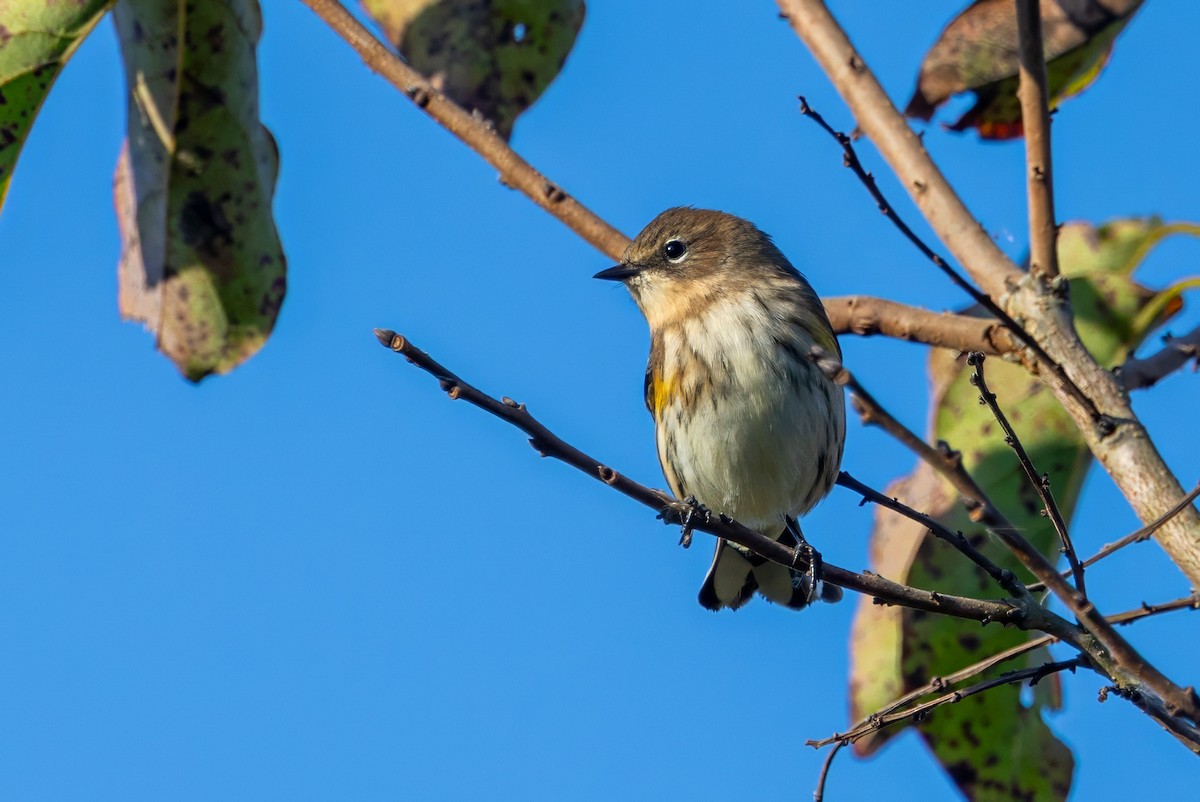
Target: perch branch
x=1035 y=119
x=883 y=590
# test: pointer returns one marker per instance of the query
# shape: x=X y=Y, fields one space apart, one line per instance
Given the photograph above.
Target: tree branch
x=1035 y=119
x=865 y=315
x=878 y=721
x=1118 y=440
x=883 y=590
x=937 y=684
x=473 y=131
x=1146 y=531
x=1176 y=353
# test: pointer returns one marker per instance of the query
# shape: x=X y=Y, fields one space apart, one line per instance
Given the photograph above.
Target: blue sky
x=318 y=578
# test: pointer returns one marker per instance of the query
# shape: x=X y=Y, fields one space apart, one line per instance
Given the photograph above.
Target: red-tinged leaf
x=978 y=51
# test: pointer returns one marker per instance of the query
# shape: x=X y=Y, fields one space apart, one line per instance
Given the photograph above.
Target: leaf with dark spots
x=36 y=39
x=201 y=265
x=978 y=52
x=495 y=57
x=895 y=650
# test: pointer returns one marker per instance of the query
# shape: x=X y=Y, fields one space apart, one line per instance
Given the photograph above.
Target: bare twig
x=1040 y=484
x=1117 y=438
x=1042 y=359
x=1035 y=119
x=943 y=458
x=819 y=792
x=878 y=721
x=865 y=315
x=1146 y=531
x=884 y=591
x=938 y=684
x=1176 y=353
x=1133 y=537
x=1002 y=576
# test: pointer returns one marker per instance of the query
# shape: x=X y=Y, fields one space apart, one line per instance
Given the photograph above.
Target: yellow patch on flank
x=662 y=391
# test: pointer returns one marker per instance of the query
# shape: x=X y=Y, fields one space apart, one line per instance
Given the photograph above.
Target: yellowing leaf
x=201 y=262
x=36 y=39
x=495 y=57
x=994 y=746
x=978 y=51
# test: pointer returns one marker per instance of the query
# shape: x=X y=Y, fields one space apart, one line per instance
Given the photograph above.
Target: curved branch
x=473 y=131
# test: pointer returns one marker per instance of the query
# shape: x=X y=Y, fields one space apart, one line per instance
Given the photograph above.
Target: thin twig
x=851 y=160
x=1040 y=483
x=938 y=684
x=1002 y=576
x=878 y=721
x=1035 y=119
x=1146 y=531
x=883 y=590
x=819 y=792
x=943 y=458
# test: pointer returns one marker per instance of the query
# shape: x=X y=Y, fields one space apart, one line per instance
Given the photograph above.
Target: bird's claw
x=694 y=514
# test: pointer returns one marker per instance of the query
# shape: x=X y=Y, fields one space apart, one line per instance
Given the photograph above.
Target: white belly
x=766 y=442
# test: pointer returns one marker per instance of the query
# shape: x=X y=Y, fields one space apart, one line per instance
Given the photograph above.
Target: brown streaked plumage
x=744 y=422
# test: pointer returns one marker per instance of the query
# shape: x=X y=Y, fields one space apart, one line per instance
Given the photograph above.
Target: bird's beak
x=618 y=272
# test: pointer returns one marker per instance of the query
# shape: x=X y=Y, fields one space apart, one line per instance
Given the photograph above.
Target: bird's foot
x=695 y=513
x=809 y=580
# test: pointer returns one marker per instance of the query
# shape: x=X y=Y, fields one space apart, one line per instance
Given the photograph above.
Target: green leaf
x=978 y=52
x=993 y=745
x=495 y=57
x=36 y=39
x=201 y=265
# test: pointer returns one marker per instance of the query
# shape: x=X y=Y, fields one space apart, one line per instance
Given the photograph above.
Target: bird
x=746 y=425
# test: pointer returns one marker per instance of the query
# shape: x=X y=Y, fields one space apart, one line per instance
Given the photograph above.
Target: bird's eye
x=674 y=250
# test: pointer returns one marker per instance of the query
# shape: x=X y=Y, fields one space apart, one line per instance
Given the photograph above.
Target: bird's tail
x=737 y=574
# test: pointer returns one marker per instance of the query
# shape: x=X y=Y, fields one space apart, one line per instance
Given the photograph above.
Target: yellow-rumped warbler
x=746 y=424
